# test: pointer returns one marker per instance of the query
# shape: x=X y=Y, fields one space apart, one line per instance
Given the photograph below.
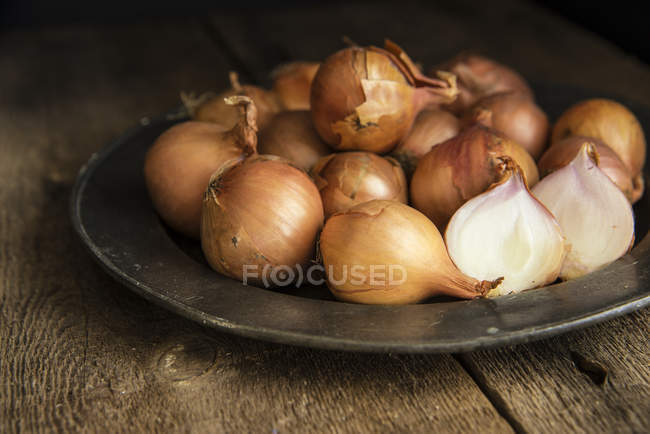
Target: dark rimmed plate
x=112 y=214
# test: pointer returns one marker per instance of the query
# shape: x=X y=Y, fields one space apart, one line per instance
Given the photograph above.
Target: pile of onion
x=479 y=77
x=179 y=164
x=367 y=98
x=291 y=135
x=260 y=212
x=350 y=178
x=292 y=84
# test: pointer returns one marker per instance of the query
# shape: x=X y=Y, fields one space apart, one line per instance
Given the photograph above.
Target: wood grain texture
x=80 y=352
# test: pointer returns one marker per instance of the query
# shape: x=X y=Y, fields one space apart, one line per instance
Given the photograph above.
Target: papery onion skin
x=431 y=127
x=260 y=212
x=179 y=164
x=461 y=168
x=349 y=178
x=291 y=135
x=564 y=151
x=514 y=114
x=526 y=243
x=609 y=121
x=595 y=216
x=479 y=77
x=292 y=84
x=210 y=108
x=387 y=233
x=366 y=98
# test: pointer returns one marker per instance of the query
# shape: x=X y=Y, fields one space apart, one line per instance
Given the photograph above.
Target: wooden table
x=80 y=352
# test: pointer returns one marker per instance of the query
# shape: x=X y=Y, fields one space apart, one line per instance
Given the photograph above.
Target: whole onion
x=212 y=108
x=432 y=126
x=292 y=84
x=350 y=178
x=609 y=121
x=515 y=115
x=462 y=167
x=179 y=164
x=260 y=212
x=479 y=77
x=291 y=135
x=366 y=98
x=564 y=151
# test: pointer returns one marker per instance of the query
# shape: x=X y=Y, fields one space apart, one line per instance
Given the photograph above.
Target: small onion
x=479 y=77
x=292 y=84
x=366 y=98
x=515 y=115
x=291 y=135
x=462 y=167
x=211 y=108
x=609 y=121
x=385 y=252
x=564 y=151
x=350 y=178
x=431 y=127
x=179 y=164
x=260 y=212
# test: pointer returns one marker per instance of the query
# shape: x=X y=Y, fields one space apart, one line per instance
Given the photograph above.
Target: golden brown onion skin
x=178 y=167
x=366 y=98
x=516 y=115
x=292 y=84
x=215 y=110
x=479 y=77
x=431 y=127
x=563 y=152
x=261 y=212
x=609 y=121
x=384 y=233
x=291 y=135
x=349 y=178
x=462 y=167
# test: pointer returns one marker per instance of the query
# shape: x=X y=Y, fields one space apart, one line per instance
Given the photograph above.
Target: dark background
x=621 y=22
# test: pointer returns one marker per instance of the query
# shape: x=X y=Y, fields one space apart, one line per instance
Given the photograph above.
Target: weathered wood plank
x=80 y=352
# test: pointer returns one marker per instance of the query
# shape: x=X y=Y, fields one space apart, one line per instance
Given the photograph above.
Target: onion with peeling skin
x=292 y=84
x=506 y=232
x=431 y=127
x=179 y=164
x=479 y=77
x=595 y=216
x=350 y=178
x=564 y=151
x=367 y=98
x=462 y=167
x=515 y=115
x=385 y=252
x=611 y=122
x=212 y=108
x=291 y=135
x=260 y=212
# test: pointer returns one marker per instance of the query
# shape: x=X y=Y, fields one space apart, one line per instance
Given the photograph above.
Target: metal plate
x=112 y=214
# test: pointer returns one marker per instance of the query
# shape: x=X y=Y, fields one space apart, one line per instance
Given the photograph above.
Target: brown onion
x=260 y=212
x=432 y=126
x=609 y=121
x=515 y=115
x=385 y=252
x=178 y=166
x=462 y=167
x=366 y=98
x=563 y=152
x=350 y=178
x=211 y=108
x=292 y=84
x=479 y=77
x=291 y=135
